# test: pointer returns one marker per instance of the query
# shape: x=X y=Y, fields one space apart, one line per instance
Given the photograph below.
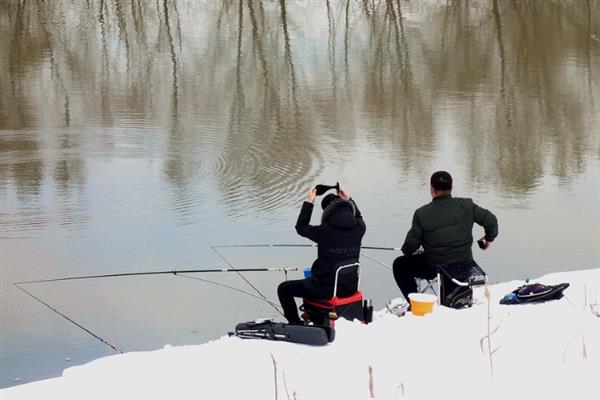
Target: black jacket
x=339 y=239
x=444 y=229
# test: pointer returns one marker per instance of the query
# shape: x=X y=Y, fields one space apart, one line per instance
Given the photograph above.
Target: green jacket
x=444 y=229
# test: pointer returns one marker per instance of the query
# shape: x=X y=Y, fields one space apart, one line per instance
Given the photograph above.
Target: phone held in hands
x=321 y=189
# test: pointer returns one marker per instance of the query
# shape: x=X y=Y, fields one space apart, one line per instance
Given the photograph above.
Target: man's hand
x=343 y=193
x=312 y=193
x=483 y=243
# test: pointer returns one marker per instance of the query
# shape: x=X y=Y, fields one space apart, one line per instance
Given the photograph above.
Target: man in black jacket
x=338 y=238
x=444 y=229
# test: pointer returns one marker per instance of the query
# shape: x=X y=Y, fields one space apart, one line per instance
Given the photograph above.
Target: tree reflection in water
x=253 y=96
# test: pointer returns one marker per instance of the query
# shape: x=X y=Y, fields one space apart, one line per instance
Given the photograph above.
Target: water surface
x=134 y=135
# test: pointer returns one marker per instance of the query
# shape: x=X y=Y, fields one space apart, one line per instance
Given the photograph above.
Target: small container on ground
x=421 y=303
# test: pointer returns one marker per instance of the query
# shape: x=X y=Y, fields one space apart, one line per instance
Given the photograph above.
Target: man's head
x=441 y=183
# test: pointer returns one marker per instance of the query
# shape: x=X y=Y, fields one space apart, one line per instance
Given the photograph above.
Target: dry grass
x=371 y=383
x=594 y=307
x=488 y=337
x=112 y=348
x=285 y=385
x=275 y=375
x=400 y=388
x=563 y=355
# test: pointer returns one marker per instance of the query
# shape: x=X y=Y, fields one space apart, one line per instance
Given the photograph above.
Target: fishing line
x=233 y=288
x=243 y=277
x=69 y=319
x=376 y=260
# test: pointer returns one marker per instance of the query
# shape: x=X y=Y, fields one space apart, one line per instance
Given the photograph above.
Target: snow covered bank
x=545 y=351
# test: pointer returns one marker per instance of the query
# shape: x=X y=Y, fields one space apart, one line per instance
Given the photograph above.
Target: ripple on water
x=255 y=172
x=22 y=224
x=253 y=169
x=268 y=175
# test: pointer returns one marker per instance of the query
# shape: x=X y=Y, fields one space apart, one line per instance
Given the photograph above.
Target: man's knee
x=282 y=288
x=400 y=264
x=294 y=288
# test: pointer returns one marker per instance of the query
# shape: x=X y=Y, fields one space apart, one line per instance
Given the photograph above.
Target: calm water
x=134 y=135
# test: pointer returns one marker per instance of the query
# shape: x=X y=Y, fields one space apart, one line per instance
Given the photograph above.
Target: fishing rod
x=311 y=245
x=299 y=245
x=381 y=248
x=173 y=272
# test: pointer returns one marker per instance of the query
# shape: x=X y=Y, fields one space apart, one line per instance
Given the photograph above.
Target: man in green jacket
x=443 y=228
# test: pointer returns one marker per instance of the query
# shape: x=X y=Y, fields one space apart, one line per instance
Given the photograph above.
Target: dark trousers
x=303 y=288
x=407 y=268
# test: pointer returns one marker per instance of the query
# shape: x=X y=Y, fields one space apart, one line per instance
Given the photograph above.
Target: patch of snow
x=545 y=351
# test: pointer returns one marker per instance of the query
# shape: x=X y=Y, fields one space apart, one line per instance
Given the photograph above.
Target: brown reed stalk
x=371 y=384
x=490 y=332
x=401 y=387
x=275 y=375
x=285 y=384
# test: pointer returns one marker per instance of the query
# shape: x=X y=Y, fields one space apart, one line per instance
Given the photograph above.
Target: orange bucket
x=422 y=303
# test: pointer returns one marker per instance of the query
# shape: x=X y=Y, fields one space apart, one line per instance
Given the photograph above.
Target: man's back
x=444 y=229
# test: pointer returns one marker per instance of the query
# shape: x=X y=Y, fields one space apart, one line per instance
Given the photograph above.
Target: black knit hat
x=328 y=199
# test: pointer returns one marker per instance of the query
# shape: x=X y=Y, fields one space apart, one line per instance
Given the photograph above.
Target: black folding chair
x=464 y=278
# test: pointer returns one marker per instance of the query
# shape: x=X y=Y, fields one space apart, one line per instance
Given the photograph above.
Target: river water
x=135 y=135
